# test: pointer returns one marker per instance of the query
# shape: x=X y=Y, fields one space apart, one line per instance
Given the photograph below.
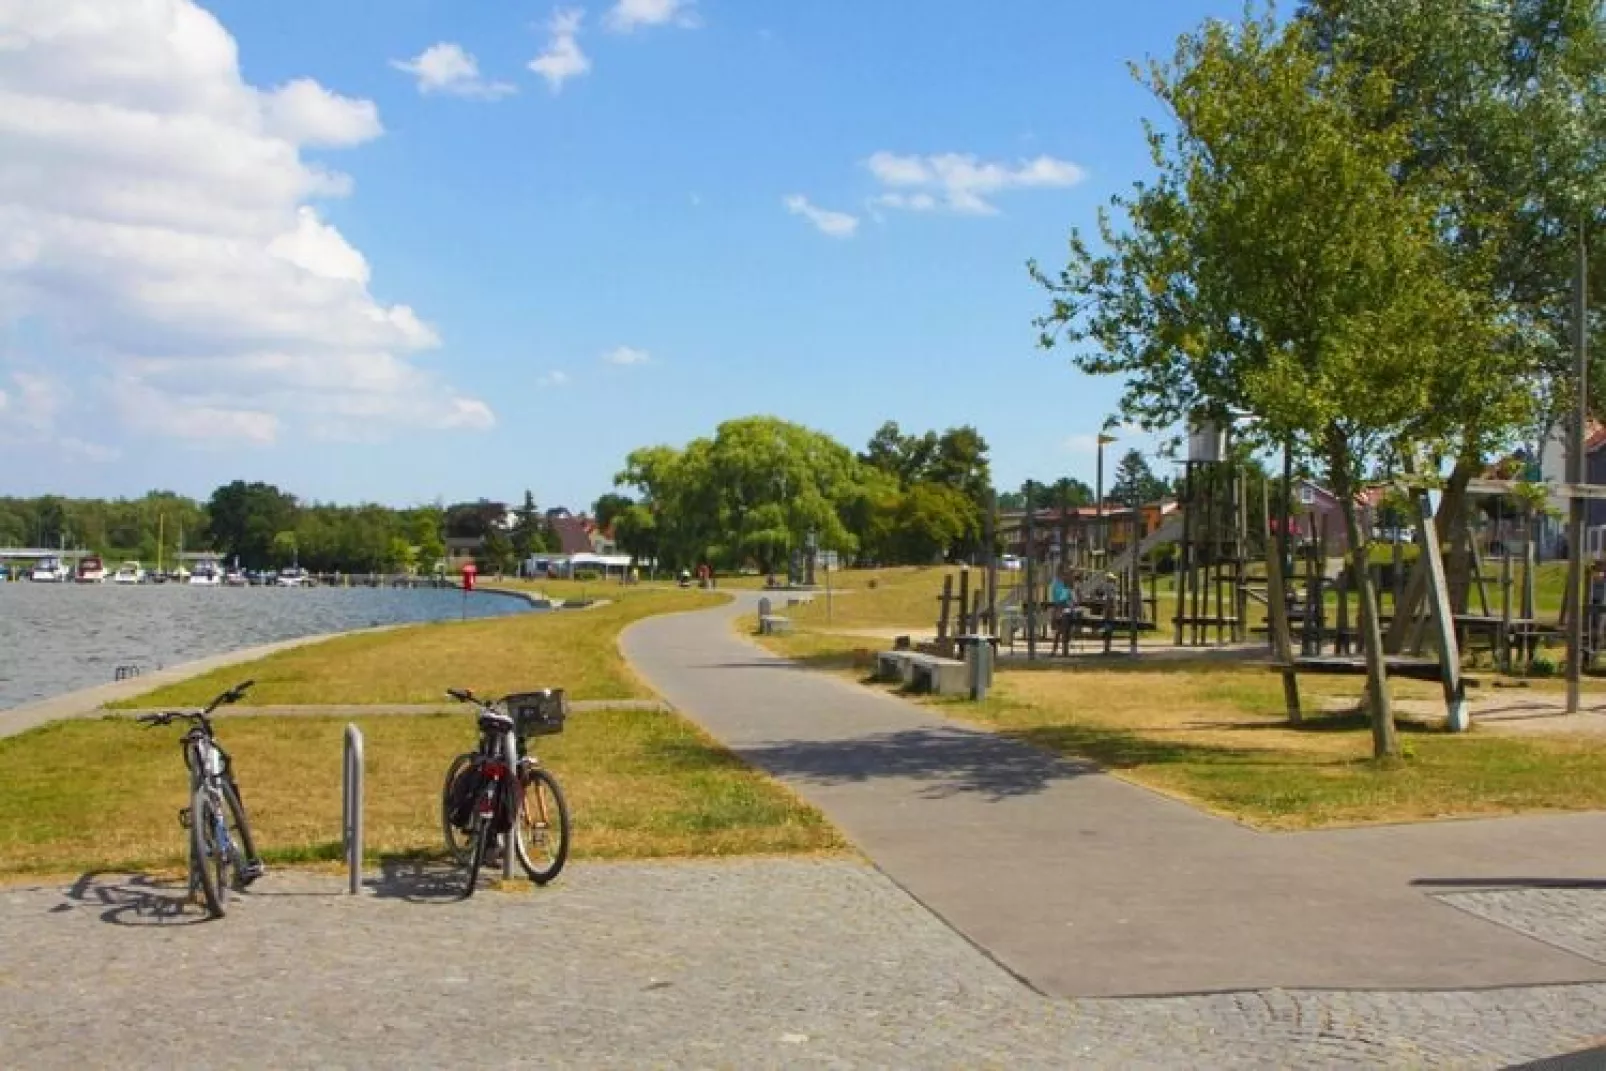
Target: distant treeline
x=265 y=527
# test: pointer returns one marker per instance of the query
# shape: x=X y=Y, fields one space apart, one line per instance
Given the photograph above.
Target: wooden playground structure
x=1230 y=564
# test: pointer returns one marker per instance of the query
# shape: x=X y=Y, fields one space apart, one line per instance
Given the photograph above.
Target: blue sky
x=638 y=204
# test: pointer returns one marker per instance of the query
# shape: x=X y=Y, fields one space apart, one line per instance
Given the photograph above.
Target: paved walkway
x=1085 y=885
x=817 y=964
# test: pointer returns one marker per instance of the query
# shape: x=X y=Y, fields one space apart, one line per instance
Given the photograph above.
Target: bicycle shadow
x=418 y=880
x=134 y=899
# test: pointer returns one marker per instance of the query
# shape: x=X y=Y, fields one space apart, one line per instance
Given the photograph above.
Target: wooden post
x=990 y=533
x=962 y=622
x=1504 y=649
x=1030 y=603
x=1477 y=571
x=946 y=599
x=1455 y=700
x=1277 y=618
x=1341 y=640
x=1184 y=560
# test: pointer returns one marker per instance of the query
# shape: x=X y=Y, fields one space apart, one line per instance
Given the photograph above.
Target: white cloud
x=960 y=182
x=446 y=68
x=305 y=112
x=562 y=59
x=624 y=356
x=553 y=379
x=835 y=224
x=157 y=216
x=627 y=15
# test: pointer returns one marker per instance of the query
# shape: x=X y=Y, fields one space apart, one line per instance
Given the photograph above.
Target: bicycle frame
x=209 y=765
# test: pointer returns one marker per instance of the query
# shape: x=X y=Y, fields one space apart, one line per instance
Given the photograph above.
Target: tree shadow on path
x=951 y=761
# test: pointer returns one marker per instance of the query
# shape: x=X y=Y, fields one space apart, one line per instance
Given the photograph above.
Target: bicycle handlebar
x=462 y=695
x=233 y=695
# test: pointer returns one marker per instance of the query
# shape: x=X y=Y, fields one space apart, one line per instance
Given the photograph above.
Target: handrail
x=351 y=807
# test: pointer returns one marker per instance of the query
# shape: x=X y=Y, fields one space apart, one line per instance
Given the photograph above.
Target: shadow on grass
x=1339 y=722
x=135 y=899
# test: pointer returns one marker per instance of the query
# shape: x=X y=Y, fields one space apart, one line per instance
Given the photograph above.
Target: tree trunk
x=1385 y=740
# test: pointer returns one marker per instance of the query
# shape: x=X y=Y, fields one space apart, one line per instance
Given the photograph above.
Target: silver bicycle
x=220 y=832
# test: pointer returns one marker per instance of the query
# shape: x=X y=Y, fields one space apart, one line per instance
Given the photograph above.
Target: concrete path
x=1085 y=885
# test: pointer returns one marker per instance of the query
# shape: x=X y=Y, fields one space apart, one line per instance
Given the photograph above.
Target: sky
x=404 y=251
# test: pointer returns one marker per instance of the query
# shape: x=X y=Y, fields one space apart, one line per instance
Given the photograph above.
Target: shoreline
x=87 y=702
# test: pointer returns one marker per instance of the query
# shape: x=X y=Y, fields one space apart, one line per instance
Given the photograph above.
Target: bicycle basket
x=538 y=713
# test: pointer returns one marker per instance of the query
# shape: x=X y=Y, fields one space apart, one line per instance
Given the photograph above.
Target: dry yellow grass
x=104 y=794
x=1216 y=735
x=577 y=650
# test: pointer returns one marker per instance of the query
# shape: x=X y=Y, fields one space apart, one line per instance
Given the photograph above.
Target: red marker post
x=470 y=571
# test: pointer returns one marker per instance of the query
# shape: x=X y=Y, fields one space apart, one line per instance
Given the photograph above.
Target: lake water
x=55 y=638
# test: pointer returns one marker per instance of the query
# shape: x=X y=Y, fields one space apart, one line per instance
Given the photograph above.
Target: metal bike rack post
x=511 y=748
x=351 y=811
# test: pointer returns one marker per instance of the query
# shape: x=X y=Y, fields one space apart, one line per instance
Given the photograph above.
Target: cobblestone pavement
x=741 y=964
x=1568 y=917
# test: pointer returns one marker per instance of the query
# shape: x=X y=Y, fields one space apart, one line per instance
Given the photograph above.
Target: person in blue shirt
x=1062 y=600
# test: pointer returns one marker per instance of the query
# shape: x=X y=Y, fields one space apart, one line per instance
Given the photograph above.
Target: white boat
x=91 y=570
x=291 y=578
x=48 y=571
x=129 y=573
x=234 y=578
x=206 y=575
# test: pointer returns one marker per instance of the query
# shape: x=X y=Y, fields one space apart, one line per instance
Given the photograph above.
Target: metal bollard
x=351 y=812
x=511 y=748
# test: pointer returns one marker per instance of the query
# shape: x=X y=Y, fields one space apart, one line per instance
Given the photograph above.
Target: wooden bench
x=774 y=625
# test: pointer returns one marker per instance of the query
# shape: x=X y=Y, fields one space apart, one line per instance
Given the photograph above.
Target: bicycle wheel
x=459 y=841
x=484 y=832
x=542 y=826
x=243 y=850
x=208 y=861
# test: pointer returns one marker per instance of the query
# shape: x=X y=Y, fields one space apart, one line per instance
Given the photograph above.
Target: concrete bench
x=774 y=625
x=894 y=666
x=939 y=676
x=799 y=600
x=923 y=672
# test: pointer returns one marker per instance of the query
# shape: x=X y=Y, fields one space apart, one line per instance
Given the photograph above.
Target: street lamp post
x=1098 y=494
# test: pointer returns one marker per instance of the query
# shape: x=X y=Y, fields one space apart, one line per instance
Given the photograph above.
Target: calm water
x=55 y=638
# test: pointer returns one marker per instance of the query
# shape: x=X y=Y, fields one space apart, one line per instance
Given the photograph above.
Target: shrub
x=588 y=576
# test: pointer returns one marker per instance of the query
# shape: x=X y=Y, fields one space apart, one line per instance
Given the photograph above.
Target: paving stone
x=755 y=963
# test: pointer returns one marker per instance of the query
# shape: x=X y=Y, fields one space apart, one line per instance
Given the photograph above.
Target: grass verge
x=1216 y=735
x=576 y=650
x=640 y=784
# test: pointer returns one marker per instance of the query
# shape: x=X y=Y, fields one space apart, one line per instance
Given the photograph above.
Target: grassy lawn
x=640 y=784
x=577 y=650
x=900 y=598
x=1216 y=735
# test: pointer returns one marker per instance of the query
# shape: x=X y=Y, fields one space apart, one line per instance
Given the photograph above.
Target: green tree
x=244 y=519
x=608 y=507
x=1135 y=481
x=530 y=535
x=1505 y=108
x=930 y=521
x=1280 y=265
